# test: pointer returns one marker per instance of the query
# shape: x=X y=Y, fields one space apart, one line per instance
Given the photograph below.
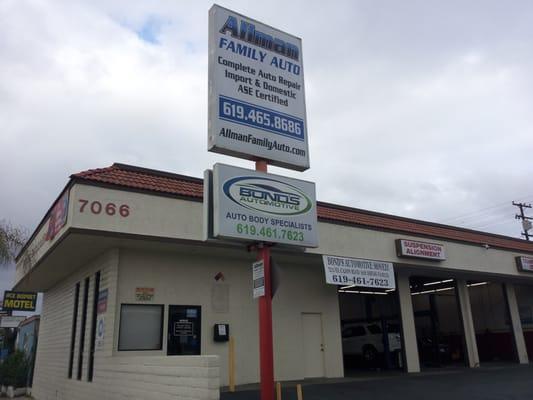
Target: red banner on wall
x=58 y=216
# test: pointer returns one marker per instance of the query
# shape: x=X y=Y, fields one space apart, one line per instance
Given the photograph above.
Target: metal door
x=313 y=345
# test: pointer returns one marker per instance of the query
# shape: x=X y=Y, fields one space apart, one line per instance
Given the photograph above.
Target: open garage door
x=524 y=298
x=438 y=324
x=491 y=322
x=370 y=326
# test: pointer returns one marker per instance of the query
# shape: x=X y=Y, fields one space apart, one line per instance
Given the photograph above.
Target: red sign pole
x=266 y=343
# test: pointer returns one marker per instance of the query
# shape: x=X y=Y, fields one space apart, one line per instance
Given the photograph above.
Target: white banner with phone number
x=346 y=271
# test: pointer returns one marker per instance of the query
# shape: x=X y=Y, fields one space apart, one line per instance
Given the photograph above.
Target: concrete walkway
x=512 y=382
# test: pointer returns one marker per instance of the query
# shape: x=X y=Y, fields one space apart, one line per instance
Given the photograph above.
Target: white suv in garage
x=367 y=340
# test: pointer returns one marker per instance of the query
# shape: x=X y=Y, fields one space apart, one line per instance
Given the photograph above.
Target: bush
x=14 y=370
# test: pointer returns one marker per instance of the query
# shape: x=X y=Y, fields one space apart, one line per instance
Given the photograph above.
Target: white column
x=408 y=323
x=469 y=330
x=516 y=324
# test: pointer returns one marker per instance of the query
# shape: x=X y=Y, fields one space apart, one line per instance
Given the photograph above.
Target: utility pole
x=526 y=221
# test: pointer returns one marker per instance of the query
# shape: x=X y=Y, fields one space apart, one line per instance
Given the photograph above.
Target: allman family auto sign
x=251 y=205
x=256 y=91
x=416 y=249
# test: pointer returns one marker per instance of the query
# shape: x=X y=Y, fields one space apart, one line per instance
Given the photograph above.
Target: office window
x=141 y=327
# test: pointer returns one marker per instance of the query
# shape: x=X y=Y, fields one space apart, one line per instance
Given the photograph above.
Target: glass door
x=184 y=330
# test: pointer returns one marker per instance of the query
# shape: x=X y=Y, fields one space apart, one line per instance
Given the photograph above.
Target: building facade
x=138 y=304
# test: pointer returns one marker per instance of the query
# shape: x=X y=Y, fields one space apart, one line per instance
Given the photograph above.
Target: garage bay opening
x=490 y=312
x=370 y=327
x=524 y=298
x=438 y=325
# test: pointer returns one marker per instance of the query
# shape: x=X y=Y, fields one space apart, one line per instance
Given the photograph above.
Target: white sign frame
x=256 y=91
x=240 y=213
x=358 y=272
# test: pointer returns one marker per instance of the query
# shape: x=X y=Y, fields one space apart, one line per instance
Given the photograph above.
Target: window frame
x=161 y=306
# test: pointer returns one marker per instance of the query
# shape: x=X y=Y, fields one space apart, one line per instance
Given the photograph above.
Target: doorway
x=184 y=330
x=439 y=329
x=490 y=313
x=524 y=298
x=313 y=345
x=370 y=329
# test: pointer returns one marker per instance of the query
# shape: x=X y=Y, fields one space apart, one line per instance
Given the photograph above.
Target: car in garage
x=366 y=340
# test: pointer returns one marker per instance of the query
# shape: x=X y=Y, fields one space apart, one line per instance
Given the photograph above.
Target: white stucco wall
x=378 y=245
x=184 y=275
x=53 y=349
x=115 y=377
x=180 y=278
x=149 y=215
x=172 y=218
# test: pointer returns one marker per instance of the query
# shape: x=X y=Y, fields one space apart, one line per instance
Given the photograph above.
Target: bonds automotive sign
x=257 y=206
x=416 y=249
x=256 y=91
x=19 y=301
x=524 y=264
x=346 y=271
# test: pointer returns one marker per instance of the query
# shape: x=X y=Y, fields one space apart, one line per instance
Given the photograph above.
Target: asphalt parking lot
x=511 y=382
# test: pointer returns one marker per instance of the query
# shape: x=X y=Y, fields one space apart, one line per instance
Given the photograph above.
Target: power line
x=496 y=223
x=480 y=212
x=474 y=213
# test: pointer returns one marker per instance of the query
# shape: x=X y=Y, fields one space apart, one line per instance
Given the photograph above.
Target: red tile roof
x=143 y=179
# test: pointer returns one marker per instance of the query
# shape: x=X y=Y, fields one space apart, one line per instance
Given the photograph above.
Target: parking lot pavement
x=510 y=382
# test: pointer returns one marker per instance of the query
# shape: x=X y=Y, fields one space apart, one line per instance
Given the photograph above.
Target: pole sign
x=256 y=91
x=19 y=301
x=261 y=207
x=346 y=271
x=258 y=278
x=524 y=264
x=416 y=249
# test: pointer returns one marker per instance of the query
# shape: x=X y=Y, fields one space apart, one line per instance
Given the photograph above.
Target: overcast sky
x=416 y=108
